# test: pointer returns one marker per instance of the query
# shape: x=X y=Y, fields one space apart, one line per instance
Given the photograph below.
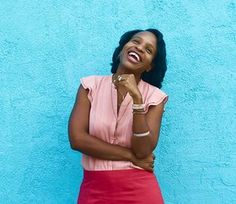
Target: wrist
x=137 y=99
x=132 y=158
x=136 y=96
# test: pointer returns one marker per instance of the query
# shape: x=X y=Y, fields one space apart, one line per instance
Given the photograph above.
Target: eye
x=135 y=41
x=149 y=51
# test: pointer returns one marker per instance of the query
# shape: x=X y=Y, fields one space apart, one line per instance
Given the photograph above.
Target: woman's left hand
x=146 y=163
x=128 y=82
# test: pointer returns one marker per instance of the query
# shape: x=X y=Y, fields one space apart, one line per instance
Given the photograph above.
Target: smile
x=134 y=56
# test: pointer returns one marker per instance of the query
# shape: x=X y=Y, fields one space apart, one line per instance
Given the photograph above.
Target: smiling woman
x=140 y=50
x=116 y=121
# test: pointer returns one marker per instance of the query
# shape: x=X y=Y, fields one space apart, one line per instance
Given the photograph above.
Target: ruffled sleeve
x=155 y=97
x=90 y=84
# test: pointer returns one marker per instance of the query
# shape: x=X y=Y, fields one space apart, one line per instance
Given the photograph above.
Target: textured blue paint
x=46 y=46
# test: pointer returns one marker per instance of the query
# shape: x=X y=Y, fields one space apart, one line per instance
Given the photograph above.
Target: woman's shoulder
x=94 y=81
x=152 y=88
x=153 y=95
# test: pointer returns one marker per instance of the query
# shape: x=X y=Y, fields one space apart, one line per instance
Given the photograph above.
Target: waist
x=118 y=175
x=94 y=164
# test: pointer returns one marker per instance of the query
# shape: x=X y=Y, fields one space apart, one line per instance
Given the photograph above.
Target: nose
x=139 y=47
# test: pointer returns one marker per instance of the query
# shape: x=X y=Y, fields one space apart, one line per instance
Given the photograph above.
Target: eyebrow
x=147 y=43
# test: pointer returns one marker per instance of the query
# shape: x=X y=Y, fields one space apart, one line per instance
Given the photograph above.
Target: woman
x=116 y=122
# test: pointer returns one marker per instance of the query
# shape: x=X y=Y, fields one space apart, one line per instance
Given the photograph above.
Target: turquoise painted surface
x=46 y=46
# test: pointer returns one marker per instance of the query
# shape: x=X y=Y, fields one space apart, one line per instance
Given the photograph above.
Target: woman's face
x=138 y=53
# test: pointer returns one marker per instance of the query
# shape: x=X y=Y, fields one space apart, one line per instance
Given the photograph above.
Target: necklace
x=116 y=108
x=122 y=95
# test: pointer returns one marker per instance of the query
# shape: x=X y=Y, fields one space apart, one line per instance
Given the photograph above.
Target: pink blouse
x=106 y=124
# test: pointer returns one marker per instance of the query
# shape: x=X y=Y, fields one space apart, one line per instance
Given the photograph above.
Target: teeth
x=135 y=55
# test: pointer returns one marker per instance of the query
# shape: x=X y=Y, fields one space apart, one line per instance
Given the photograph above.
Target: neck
x=122 y=70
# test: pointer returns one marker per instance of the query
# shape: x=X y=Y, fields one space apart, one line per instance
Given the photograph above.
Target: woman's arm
x=150 y=122
x=80 y=139
x=143 y=146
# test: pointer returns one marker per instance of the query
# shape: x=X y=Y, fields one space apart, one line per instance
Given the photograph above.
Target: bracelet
x=138 y=106
x=141 y=134
x=139 y=112
x=138 y=109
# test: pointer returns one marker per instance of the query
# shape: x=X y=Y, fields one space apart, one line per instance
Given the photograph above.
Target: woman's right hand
x=146 y=163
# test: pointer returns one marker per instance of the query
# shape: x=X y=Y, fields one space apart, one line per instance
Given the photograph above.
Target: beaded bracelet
x=139 y=112
x=138 y=106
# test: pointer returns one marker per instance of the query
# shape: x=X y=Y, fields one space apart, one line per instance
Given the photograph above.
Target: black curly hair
x=156 y=75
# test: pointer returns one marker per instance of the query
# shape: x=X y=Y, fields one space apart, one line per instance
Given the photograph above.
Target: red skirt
x=131 y=186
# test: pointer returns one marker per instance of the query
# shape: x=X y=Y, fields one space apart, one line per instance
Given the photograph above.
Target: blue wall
x=46 y=46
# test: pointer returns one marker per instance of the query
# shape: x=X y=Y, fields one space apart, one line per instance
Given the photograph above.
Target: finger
x=119 y=78
x=118 y=81
x=145 y=166
x=151 y=165
x=148 y=168
x=123 y=83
